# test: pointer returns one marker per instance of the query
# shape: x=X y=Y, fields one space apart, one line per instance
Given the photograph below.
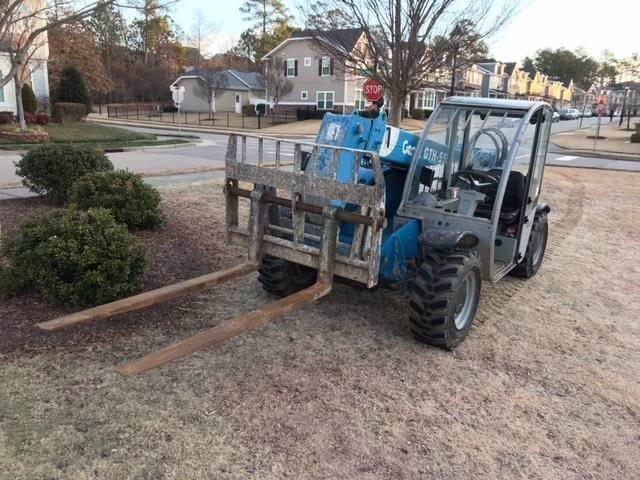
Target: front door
x=238 y=103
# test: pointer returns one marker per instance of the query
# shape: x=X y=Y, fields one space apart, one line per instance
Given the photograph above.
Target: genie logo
x=407 y=148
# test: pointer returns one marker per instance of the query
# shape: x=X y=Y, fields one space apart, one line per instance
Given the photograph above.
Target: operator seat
x=512 y=201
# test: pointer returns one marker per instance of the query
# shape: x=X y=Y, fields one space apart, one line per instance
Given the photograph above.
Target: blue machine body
x=400 y=244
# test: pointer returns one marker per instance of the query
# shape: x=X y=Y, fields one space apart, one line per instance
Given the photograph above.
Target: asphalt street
x=205 y=161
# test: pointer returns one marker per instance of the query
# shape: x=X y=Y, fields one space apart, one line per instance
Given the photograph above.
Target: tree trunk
x=395 y=110
x=19 y=107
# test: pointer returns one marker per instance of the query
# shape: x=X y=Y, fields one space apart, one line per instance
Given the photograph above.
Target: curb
x=151 y=147
x=598 y=154
x=160 y=126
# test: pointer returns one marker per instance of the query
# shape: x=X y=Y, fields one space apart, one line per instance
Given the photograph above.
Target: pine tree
x=29 y=100
x=72 y=88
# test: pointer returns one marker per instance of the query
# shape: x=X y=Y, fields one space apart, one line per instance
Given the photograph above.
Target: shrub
x=77 y=258
x=10 y=283
x=6 y=118
x=53 y=168
x=417 y=114
x=123 y=193
x=29 y=100
x=69 y=112
x=261 y=109
x=249 y=110
x=42 y=118
x=72 y=88
x=29 y=119
x=635 y=138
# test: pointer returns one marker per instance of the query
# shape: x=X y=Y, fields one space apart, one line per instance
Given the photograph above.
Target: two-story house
x=319 y=81
x=36 y=72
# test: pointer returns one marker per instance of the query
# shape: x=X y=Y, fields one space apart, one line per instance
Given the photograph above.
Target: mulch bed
x=188 y=245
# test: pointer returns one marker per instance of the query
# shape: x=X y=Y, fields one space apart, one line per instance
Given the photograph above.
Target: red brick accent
x=35 y=137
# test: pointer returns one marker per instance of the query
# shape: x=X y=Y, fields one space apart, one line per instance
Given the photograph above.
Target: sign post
x=601 y=108
x=177 y=93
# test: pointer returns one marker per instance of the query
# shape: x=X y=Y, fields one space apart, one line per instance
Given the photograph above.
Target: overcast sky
x=594 y=25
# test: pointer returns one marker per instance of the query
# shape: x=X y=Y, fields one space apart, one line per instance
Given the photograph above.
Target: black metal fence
x=153 y=113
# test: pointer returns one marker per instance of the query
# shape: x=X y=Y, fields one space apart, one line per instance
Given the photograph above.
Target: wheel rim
x=539 y=250
x=466 y=300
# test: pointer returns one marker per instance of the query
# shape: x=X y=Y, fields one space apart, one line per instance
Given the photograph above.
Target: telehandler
x=431 y=216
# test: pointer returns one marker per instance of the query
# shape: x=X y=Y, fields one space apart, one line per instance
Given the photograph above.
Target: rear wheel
x=281 y=277
x=444 y=298
x=536 y=247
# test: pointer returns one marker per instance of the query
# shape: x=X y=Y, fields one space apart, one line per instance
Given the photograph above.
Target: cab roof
x=493 y=103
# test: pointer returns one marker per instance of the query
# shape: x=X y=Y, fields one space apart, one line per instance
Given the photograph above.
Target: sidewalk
x=616 y=144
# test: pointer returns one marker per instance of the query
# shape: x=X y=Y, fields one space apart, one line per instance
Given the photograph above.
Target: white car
x=555 y=118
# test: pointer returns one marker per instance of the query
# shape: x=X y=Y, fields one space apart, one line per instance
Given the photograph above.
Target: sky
x=593 y=25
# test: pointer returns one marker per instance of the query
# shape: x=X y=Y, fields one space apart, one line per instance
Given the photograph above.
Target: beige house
x=240 y=88
x=319 y=82
x=37 y=74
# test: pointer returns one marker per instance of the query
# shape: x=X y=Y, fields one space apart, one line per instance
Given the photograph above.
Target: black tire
x=536 y=247
x=436 y=295
x=281 y=277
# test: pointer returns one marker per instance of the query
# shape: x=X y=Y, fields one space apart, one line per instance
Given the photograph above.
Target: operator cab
x=478 y=168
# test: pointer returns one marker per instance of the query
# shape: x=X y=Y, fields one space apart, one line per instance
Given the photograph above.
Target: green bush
x=72 y=88
x=248 y=110
x=417 y=114
x=29 y=100
x=130 y=200
x=64 y=112
x=10 y=283
x=53 y=168
x=635 y=138
x=76 y=258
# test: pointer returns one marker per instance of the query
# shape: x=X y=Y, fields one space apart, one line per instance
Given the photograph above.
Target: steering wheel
x=474 y=178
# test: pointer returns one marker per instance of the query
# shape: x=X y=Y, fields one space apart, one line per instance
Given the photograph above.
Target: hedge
x=53 y=168
x=74 y=257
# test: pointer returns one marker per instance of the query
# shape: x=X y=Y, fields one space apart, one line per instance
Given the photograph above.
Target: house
x=319 y=81
x=36 y=73
x=240 y=88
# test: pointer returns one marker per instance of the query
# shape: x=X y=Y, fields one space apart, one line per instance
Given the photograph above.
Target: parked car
x=555 y=118
x=586 y=113
x=565 y=114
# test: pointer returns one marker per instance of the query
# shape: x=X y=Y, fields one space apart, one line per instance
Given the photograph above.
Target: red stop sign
x=372 y=90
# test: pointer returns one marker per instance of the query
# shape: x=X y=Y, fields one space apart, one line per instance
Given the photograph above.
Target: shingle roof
x=254 y=80
x=345 y=37
x=235 y=80
x=509 y=67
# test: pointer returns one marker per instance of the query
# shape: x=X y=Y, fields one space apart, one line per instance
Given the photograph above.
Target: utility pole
x=624 y=104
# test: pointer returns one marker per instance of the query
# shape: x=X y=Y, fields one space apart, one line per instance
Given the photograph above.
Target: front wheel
x=536 y=247
x=281 y=277
x=444 y=298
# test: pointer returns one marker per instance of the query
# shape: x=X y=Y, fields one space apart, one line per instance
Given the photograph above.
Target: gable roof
x=344 y=38
x=510 y=67
x=235 y=80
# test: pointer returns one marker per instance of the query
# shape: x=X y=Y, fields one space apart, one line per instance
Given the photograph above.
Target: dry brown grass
x=547 y=385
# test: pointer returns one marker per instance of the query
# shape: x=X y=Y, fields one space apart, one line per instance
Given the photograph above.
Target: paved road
x=209 y=155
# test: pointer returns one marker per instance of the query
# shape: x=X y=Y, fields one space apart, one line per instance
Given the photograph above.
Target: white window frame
x=360 y=102
x=326 y=63
x=291 y=65
x=324 y=102
x=307 y=61
x=304 y=95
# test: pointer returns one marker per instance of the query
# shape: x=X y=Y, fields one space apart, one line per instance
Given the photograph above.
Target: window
x=325 y=67
x=291 y=67
x=360 y=100
x=307 y=61
x=304 y=95
x=324 y=100
x=1 y=88
x=426 y=100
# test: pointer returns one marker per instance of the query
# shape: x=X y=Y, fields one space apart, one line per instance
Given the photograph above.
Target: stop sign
x=372 y=90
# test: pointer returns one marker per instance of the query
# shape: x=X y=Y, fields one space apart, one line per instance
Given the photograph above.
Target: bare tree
x=201 y=30
x=208 y=84
x=23 y=33
x=277 y=84
x=400 y=38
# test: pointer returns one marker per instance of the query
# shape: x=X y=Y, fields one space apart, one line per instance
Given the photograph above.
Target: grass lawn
x=100 y=135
